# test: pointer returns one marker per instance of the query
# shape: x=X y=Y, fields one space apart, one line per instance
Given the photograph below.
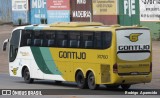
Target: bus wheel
x=125 y=86
x=26 y=76
x=81 y=81
x=91 y=81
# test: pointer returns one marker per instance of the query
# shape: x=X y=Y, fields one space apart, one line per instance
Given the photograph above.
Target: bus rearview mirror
x=5 y=44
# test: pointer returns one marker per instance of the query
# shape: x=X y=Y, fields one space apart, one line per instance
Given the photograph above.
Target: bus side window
x=74 y=44
x=88 y=44
x=28 y=42
x=97 y=40
x=38 y=42
x=106 y=39
x=38 y=39
x=49 y=39
x=62 y=39
x=26 y=39
x=87 y=40
x=51 y=43
x=74 y=38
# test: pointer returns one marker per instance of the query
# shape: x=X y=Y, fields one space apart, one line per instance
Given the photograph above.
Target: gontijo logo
x=15 y=71
x=133 y=37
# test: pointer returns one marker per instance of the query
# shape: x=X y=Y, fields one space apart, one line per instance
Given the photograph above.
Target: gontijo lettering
x=134 y=47
x=72 y=55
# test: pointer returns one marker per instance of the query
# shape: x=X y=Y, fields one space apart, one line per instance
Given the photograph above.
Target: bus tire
x=26 y=76
x=125 y=86
x=80 y=80
x=91 y=81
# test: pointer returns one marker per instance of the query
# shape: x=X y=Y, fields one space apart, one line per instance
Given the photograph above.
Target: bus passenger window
x=38 y=42
x=87 y=40
x=49 y=39
x=64 y=43
x=97 y=40
x=28 y=42
x=88 y=44
x=50 y=43
x=62 y=39
x=106 y=39
x=74 y=43
x=74 y=38
x=38 y=38
x=26 y=39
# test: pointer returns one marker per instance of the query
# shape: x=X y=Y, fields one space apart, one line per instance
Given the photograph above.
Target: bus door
x=133 y=51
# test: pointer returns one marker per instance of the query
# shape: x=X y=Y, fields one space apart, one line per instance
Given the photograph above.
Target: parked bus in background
x=90 y=54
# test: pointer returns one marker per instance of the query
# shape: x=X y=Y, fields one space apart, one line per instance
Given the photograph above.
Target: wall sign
x=58 y=11
x=104 y=7
x=149 y=10
x=19 y=5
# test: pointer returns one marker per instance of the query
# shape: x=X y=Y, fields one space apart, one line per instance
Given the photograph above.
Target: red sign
x=58 y=4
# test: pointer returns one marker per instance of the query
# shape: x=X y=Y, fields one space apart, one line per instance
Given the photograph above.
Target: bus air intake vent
x=105 y=73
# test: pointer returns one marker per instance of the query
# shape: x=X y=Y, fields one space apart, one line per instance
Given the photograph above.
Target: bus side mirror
x=5 y=44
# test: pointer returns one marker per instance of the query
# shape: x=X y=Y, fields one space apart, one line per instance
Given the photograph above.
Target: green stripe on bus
x=39 y=60
x=49 y=61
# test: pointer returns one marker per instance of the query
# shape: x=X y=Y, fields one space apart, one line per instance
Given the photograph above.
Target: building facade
x=5 y=11
x=109 y=12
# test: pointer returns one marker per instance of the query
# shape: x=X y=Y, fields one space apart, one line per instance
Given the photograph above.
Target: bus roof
x=75 y=24
x=86 y=26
